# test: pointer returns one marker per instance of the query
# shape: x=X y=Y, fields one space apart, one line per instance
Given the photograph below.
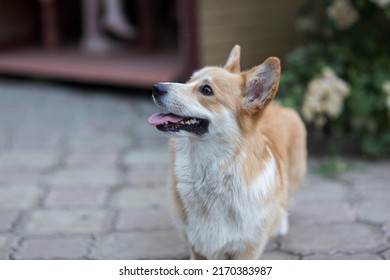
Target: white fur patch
x=223 y=214
x=266 y=180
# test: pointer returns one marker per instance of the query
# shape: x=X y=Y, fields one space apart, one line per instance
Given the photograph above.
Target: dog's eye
x=206 y=90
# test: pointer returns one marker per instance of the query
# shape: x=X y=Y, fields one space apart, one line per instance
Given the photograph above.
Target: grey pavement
x=82 y=176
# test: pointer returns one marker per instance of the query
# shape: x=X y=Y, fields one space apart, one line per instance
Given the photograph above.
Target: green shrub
x=340 y=80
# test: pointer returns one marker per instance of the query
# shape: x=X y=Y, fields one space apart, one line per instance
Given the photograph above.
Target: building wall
x=263 y=28
x=19 y=22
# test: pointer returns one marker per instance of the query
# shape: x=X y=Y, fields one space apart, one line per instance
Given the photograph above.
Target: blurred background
x=82 y=175
x=147 y=41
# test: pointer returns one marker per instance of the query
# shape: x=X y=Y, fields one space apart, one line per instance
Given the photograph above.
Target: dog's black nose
x=159 y=89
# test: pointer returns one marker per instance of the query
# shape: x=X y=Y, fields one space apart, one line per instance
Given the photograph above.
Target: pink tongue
x=159 y=118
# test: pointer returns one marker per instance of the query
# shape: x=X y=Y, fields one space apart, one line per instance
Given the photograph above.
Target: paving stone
x=7 y=220
x=4 y=137
x=67 y=222
x=19 y=197
x=377 y=191
x=386 y=254
x=312 y=179
x=131 y=198
x=82 y=159
x=374 y=210
x=380 y=168
x=331 y=238
x=84 y=177
x=19 y=177
x=278 y=255
x=156 y=176
x=165 y=244
x=154 y=140
x=144 y=220
x=144 y=107
x=6 y=244
x=27 y=160
x=36 y=138
x=321 y=190
x=272 y=245
x=369 y=182
x=368 y=173
x=149 y=157
x=343 y=257
x=386 y=229
x=53 y=248
x=146 y=134
x=323 y=212
x=38 y=122
x=75 y=198
x=99 y=140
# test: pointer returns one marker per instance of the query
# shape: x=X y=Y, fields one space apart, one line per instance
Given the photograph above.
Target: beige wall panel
x=262 y=27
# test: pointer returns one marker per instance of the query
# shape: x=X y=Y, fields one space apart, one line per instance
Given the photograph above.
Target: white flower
x=388 y=104
x=386 y=90
x=381 y=3
x=306 y=24
x=324 y=97
x=343 y=13
x=386 y=87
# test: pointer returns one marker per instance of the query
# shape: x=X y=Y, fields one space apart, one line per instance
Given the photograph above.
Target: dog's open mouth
x=174 y=123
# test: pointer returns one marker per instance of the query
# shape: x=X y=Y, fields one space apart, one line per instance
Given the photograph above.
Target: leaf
x=331 y=167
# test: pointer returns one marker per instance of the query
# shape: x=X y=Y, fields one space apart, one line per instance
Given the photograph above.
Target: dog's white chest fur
x=223 y=213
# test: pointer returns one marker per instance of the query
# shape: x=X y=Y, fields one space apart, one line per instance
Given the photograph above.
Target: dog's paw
x=283 y=225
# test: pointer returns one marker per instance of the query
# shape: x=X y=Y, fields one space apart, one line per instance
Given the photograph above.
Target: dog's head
x=216 y=100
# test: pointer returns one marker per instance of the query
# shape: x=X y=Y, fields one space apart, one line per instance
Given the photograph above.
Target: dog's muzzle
x=170 y=122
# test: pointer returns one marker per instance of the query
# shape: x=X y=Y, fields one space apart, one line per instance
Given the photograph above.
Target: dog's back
x=286 y=130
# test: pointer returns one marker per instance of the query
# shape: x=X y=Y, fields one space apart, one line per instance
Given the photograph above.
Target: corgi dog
x=235 y=158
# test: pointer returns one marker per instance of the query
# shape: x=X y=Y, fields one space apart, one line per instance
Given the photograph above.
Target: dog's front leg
x=197 y=256
x=252 y=252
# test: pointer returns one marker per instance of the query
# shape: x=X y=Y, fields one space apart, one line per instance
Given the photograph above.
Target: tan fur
x=287 y=132
x=267 y=133
x=224 y=94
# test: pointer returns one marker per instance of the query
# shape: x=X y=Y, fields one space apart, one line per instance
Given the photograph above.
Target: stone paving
x=82 y=176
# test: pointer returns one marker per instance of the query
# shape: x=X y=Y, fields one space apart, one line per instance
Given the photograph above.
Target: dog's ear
x=262 y=83
x=233 y=61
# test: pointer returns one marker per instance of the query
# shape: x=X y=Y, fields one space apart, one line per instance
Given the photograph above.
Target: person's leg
x=92 y=38
x=114 y=20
